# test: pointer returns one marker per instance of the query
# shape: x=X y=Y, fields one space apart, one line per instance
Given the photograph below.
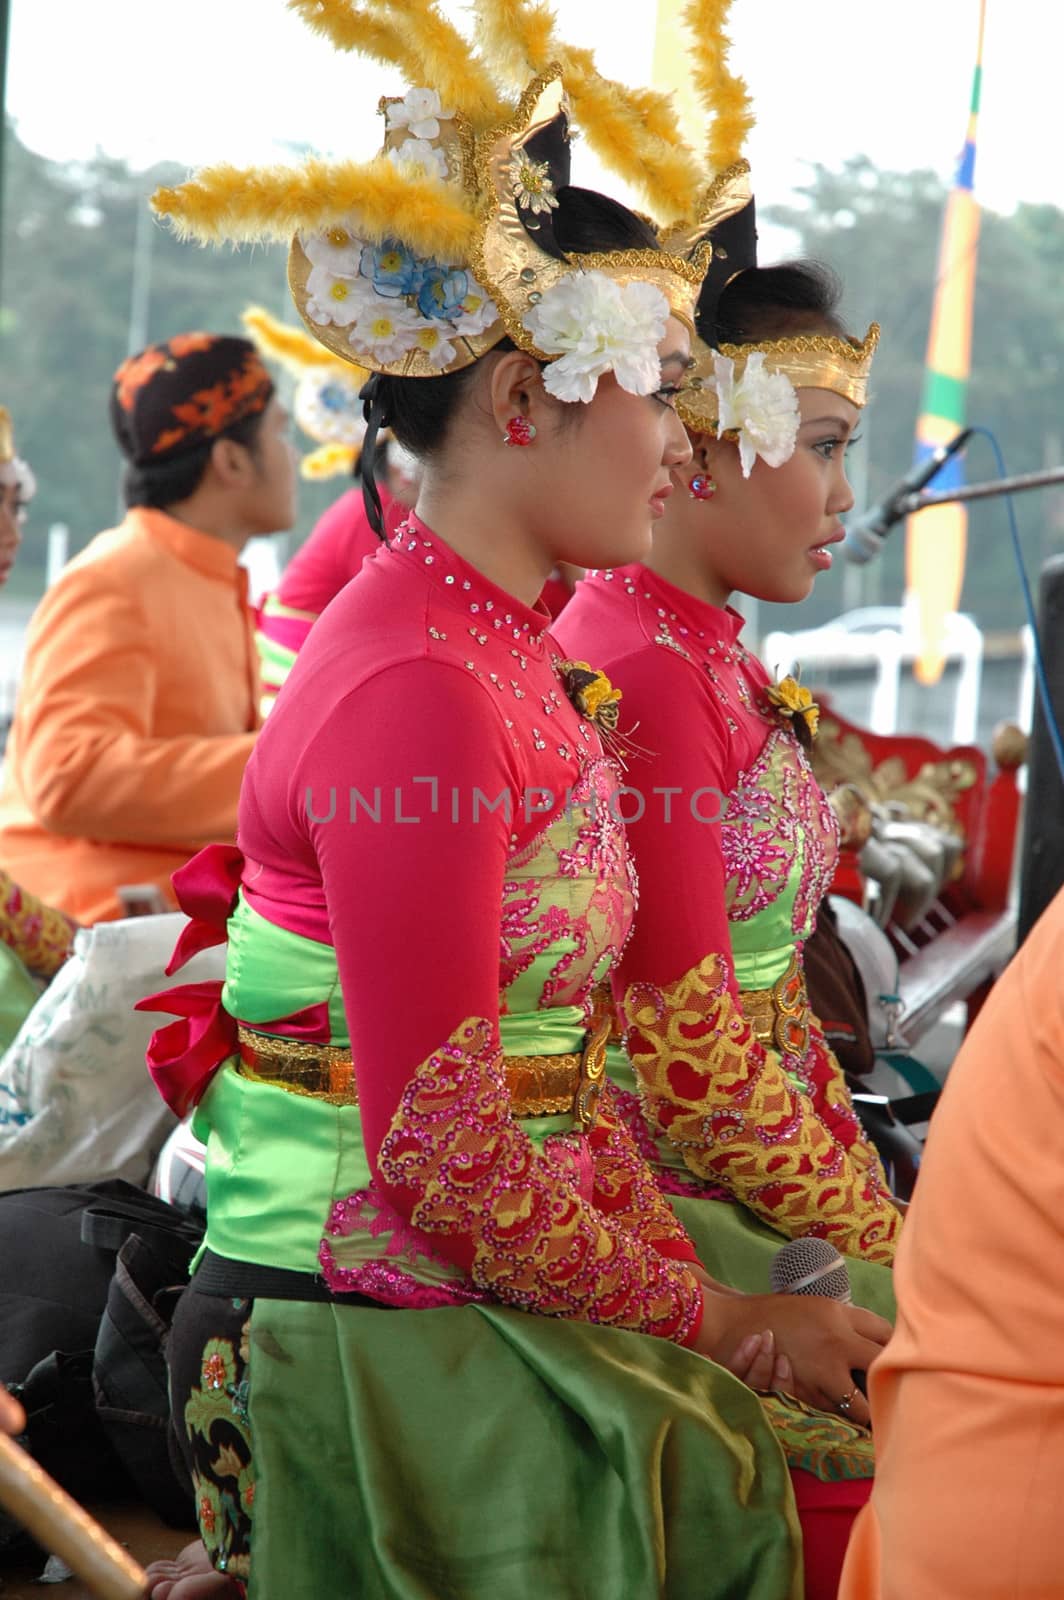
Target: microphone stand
x=909 y=504
x=1042 y=847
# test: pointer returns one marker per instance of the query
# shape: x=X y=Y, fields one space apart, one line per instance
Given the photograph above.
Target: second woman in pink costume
x=729 y=1083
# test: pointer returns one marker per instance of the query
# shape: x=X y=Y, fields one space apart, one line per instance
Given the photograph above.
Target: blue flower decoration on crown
x=334 y=397
x=393 y=269
x=442 y=291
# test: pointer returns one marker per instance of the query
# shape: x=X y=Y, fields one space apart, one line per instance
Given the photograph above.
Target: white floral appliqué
x=761 y=407
x=392 y=300
x=417 y=155
x=420 y=111
x=531 y=186
x=597 y=326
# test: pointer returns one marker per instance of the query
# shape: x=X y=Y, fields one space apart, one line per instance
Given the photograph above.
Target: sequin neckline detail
x=492 y=609
x=671 y=615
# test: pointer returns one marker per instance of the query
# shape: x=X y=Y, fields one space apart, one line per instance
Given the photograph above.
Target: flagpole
x=936 y=545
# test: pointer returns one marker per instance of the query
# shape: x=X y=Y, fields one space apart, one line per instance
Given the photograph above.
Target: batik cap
x=175 y=396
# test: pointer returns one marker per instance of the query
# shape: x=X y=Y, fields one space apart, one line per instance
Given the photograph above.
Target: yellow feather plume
x=413 y=35
x=273 y=203
x=515 y=36
x=328 y=461
x=665 y=170
x=349 y=28
x=724 y=96
x=634 y=132
x=448 y=63
x=293 y=349
x=656 y=112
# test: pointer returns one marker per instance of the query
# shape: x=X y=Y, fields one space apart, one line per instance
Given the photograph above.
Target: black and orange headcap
x=178 y=395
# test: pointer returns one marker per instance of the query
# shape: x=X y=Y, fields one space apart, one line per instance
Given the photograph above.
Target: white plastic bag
x=76 y=1101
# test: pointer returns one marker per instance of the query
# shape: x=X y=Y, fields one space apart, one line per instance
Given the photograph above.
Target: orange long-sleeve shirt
x=968 y=1397
x=136 y=714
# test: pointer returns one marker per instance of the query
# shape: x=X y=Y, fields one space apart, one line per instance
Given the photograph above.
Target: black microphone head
x=810 y=1266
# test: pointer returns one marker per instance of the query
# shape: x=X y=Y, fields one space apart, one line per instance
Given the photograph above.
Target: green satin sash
x=271 y=973
x=760 y=968
x=555 y=1032
x=276 y=1162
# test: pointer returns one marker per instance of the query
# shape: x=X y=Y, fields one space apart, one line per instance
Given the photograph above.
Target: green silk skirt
x=476 y=1453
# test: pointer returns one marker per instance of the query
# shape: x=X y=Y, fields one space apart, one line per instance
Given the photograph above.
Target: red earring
x=702 y=487
x=519 y=431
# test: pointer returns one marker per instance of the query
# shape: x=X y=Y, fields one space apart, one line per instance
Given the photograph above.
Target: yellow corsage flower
x=795 y=704
x=591 y=693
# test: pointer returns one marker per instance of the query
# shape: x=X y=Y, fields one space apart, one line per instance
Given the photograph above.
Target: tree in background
x=70 y=238
x=880 y=231
x=69 y=247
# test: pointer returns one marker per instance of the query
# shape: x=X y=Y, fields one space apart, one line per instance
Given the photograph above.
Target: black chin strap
x=373 y=411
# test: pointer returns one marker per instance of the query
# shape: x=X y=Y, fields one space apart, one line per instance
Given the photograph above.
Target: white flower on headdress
x=384 y=330
x=432 y=337
x=334 y=300
x=415 y=155
x=326 y=406
x=19 y=473
x=420 y=111
x=476 y=313
x=596 y=326
x=337 y=248
x=530 y=184
x=762 y=407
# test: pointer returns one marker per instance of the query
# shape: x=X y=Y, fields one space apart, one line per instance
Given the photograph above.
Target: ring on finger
x=846 y=1403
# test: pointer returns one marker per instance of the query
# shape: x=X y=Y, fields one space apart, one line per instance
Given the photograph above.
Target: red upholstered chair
x=958 y=948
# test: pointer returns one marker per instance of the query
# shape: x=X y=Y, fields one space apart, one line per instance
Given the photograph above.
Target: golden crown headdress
x=7 y=437
x=418 y=261
x=714 y=391
x=807 y=360
x=717 y=225
x=723 y=213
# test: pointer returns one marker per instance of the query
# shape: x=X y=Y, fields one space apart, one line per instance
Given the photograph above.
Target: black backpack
x=89 y=1277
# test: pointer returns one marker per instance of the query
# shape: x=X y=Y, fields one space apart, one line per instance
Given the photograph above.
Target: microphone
x=866 y=533
x=810 y=1266
x=813 y=1266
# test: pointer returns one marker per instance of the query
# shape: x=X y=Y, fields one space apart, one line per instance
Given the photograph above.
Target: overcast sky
x=209 y=80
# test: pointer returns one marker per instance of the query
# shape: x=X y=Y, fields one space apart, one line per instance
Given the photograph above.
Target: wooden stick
x=60 y=1525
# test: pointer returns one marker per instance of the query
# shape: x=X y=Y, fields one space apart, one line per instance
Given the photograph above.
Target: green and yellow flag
x=937 y=538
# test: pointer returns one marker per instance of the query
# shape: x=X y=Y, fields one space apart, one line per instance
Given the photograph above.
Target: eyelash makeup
x=827 y=447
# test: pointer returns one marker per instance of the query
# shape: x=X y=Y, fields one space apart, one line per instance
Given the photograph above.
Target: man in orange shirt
x=138 y=705
x=968 y=1397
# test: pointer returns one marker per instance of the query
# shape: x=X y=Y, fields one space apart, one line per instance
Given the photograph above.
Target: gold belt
x=539 y=1086
x=779 y=1016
